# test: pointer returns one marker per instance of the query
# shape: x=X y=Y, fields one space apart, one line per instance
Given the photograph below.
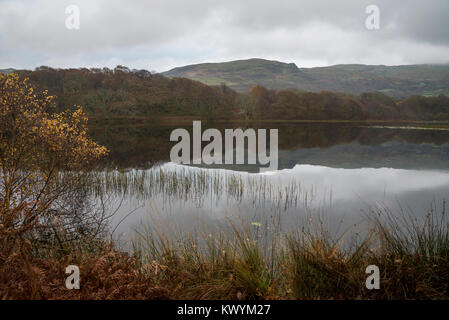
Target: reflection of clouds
x=338 y=191
x=346 y=183
x=334 y=191
x=366 y=182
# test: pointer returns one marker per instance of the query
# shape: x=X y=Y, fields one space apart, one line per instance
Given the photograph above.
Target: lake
x=335 y=172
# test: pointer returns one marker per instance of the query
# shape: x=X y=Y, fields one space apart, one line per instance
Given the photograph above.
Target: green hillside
x=9 y=70
x=396 y=81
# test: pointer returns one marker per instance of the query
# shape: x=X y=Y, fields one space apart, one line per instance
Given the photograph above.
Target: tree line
x=325 y=105
x=121 y=92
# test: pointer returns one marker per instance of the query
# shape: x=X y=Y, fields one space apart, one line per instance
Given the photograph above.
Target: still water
x=338 y=171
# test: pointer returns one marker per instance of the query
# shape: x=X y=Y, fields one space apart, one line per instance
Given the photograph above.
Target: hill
x=396 y=81
x=9 y=70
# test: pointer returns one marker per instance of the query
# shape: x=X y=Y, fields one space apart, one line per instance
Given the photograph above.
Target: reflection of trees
x=373 y=136
x=294 y=136
x=134 y=145
x=143 y=145
x=316 y=136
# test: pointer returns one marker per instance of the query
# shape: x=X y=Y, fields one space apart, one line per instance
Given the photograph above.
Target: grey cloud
x=163 y=34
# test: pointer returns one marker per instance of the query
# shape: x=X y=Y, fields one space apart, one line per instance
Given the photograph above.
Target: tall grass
x=237 y=260
x=234 y=260
x=228 y=261
x=416 y=250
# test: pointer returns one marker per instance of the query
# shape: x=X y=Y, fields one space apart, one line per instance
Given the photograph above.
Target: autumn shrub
x=44 y=159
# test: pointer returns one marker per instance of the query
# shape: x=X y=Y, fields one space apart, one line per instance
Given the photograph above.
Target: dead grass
x=105 y=274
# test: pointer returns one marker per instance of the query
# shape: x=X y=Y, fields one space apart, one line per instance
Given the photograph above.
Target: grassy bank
x=236 y=261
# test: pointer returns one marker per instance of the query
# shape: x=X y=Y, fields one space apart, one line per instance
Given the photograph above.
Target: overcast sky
x=159 y=35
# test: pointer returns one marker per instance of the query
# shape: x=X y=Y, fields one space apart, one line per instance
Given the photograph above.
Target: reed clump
x=234 y=262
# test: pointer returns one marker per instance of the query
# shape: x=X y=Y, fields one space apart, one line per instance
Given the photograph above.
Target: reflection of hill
x=347 y=146
x=393 y=154
x=337 y=145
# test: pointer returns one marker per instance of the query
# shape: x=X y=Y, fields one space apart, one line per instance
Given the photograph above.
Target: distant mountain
x=397 y=81
x=9 y=70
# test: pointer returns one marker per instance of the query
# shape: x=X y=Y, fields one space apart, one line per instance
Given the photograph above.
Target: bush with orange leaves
x=43 y=156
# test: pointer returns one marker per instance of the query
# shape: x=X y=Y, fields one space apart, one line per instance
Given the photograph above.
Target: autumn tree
x=246 y=106
x=263 y=99
x=44 y=155
x=288 y=105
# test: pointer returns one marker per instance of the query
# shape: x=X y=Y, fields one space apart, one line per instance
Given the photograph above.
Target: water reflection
x=292 y=195
x=339 y=170
x=335 y=145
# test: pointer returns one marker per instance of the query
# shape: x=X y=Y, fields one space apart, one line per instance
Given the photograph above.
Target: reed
x=235 y=261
